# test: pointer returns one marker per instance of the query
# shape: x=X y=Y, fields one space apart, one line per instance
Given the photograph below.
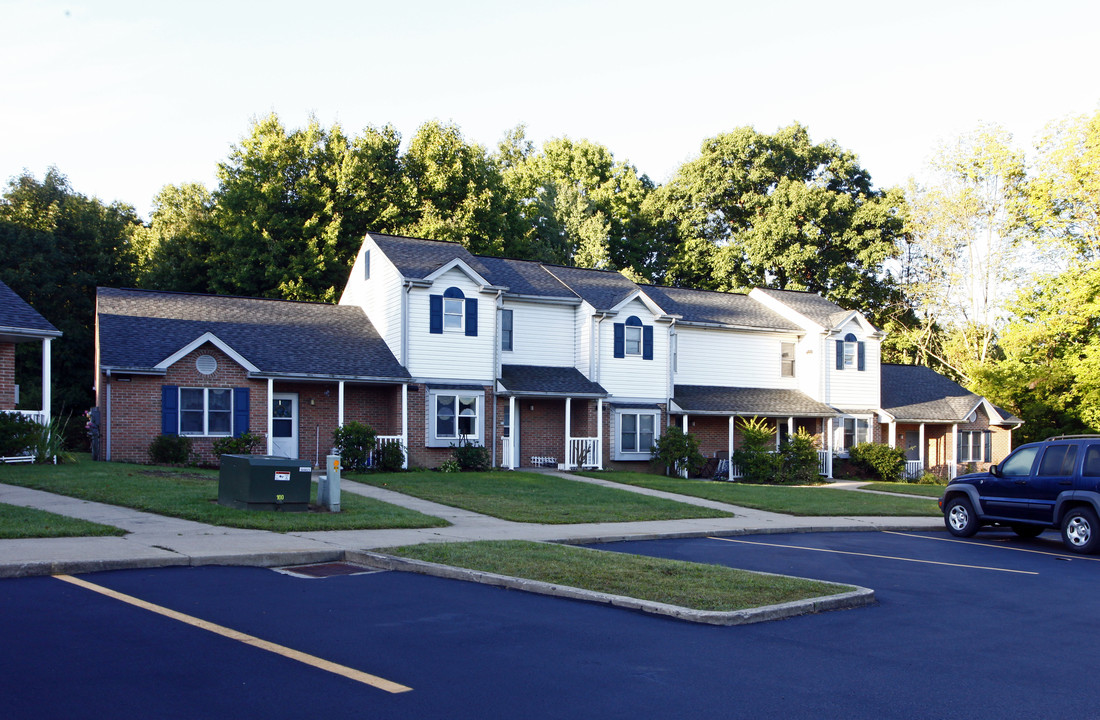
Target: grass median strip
x=22 y=522
x=535 y=497
x=674 y=582
x=804 y=501
x=192 y=494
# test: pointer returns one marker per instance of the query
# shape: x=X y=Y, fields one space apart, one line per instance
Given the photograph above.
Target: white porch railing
x=824 y=463
x=381 y=441
x=913 y=469
x=37 y=416
x=506 y=452
x=583 y=452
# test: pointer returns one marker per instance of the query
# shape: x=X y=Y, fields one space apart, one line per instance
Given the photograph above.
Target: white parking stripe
x=966 y=541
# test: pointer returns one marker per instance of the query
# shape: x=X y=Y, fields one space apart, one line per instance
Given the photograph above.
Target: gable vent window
x=206 y=364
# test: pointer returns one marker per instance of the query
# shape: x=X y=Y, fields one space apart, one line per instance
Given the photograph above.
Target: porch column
x=599 y=433
x=893 y=434
x=46 y=382
x=512 y=432
x=340 y=404
x=685 y=423
x=790 y=428
x=829 y=444
x=568 y=432
x=954 y=469
x=405 y=423
x=270 y=410
x=729 y=447
x=920 y=448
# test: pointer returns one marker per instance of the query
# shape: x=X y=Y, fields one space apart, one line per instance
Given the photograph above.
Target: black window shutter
x=647 y=342
x=471 y=317
x=988 y=437
x=861 y=356
x=620 y=340
x=435 y=321
x=240 y=411
x=169 y=410
x=839 y=354
x=963 y=449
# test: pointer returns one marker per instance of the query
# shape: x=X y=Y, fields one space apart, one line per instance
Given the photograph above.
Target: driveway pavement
x=159 y=541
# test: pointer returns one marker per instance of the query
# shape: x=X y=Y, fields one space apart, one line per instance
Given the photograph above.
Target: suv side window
x=1058 y=460
x=1092 y=462
x=1019 y=463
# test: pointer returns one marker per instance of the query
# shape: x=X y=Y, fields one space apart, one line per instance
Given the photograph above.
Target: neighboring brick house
x=20 y=323
x=541 y=364
x=209 y=367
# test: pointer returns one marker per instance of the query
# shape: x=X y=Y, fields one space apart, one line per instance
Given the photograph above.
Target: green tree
x=779 y=211
x=173 y=252
x=56 y=246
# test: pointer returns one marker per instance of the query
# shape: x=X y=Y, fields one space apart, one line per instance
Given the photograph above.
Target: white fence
x=913 y=469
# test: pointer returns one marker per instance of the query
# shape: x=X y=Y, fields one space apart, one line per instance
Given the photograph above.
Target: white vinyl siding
x=541 y=335
x=731 y=358
x=451 y=354
x=850 y=387
x=633 y=376
x=380 y=296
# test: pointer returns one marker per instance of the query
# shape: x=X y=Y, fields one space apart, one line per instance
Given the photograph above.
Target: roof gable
x=19 y=318
x=915 y=393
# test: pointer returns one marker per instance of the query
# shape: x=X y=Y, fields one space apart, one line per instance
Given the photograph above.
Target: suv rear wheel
x=960 y=518
x=1080 y=530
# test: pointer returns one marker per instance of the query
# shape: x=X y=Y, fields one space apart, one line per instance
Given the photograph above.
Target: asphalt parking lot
x=988 y=627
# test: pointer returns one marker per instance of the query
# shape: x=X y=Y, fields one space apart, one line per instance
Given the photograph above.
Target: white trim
x=207 y=337
x=405 y=423
x=653 y=307
x=47 y=371
x=270 y=412
x=466 y=269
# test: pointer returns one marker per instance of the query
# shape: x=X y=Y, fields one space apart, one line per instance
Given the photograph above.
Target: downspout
x=405 y=325
x=497 y=358
x=107 y=422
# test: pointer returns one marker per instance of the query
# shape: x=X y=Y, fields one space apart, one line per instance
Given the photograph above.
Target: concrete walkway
x=158 y=541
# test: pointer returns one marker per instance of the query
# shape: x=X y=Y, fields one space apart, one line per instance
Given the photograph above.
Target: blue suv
x=1050 y=484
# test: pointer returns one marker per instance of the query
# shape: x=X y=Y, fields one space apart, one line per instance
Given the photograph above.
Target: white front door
x=284 y=424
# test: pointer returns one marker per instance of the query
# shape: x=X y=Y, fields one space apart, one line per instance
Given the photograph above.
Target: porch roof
x=553 y=381
x=914 y=393
x=139 y=330
x=719 y=400
x=18 y=320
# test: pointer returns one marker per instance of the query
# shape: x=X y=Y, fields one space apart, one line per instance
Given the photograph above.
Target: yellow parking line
x=312 y=660
x=991 y=545
x=871 y=555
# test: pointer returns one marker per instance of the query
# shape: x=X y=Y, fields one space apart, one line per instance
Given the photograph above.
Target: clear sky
x=125 y=97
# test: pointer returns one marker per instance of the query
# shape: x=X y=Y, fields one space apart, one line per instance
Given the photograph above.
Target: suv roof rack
x=1071 y=437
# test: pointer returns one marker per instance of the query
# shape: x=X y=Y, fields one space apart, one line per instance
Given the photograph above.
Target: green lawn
x=806 y=501
x=932 y=491
x=192 y=494
x=534 y=497
x=692 y=585
x=23 y=522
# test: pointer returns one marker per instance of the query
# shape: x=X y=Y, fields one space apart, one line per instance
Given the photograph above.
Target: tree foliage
x=779 y=211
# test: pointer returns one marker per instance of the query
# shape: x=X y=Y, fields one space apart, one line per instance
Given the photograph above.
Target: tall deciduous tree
x=173 y=252
x=56 y=246
x=779 y=211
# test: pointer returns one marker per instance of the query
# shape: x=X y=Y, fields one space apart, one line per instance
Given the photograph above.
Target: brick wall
x=7 y=376
x=420 y=455
x=319 y=413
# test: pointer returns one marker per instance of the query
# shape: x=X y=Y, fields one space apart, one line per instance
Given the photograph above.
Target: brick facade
x=7 y=376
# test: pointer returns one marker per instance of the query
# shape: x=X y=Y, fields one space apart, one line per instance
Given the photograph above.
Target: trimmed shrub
x=885 y=462
x=755 y=457
x=354 y=442
x=798 y=463
x=678 y=451
x=449 y=465
x=244 y=445
x=389 y=457
x=18 y=434
x=170 y=450
x=470 y=456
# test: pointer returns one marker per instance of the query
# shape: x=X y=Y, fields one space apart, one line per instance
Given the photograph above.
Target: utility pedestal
x=328 y=485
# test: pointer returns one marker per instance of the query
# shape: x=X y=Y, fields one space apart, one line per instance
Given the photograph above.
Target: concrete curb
x=263 y=559
x=858 y=597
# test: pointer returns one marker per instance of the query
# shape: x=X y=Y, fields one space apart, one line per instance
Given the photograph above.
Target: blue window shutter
x=861 y=355
x=988 y=438
x=471 y=317
x=647 y=342
x=839 y=354
x=962 y=449
x=169 y=410
x=240 y=411
x=620 y=340
x=435 y=321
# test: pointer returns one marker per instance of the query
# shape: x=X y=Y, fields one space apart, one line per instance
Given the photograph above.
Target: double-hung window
x=632 y=339
x=975 y=446
x=853 y=431
x=787 y=360
x=206 y=411
x=506 y=330
x=636 y=433
x=453 y=311
x=456 y=417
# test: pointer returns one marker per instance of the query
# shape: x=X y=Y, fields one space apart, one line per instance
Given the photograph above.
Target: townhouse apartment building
x=543 y=365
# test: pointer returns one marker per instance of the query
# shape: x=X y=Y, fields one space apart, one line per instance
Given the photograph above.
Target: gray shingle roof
x=16 y=314
x=416 y=258
x=139 y=329
x=914 y=393
x=602 y=289
x=824 y=312
x=717 y=307
x=748 y=401
x=540 y=380
x=524 y=277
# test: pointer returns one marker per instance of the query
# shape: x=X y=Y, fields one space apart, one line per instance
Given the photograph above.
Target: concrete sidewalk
x=159 y=541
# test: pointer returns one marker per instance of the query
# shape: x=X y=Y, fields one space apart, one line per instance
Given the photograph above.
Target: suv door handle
x=1065 y=482
x=1020 y=482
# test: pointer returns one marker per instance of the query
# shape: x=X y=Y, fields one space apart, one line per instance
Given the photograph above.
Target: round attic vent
x=206 y=364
